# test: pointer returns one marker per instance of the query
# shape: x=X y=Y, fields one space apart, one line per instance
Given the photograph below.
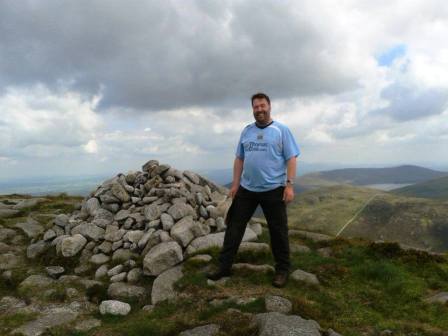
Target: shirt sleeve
x=290 y=147
x=240 y=148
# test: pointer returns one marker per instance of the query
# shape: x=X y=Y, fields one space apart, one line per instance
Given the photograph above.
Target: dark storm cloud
x=409 y=103
x=163 y=55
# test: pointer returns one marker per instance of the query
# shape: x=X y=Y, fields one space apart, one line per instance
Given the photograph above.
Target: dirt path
x=356 y=214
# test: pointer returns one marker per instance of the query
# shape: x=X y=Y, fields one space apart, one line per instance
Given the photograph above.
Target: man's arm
x=237 y=171
x=288 y=194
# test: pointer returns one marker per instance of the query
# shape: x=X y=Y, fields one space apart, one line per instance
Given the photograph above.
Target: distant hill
x=372 y=214
x=367 y=176
x=436 y=188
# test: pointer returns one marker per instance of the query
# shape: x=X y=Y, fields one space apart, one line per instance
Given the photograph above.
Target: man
x=263 y=174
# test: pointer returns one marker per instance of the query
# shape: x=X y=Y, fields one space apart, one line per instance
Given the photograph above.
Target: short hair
x=260 y=95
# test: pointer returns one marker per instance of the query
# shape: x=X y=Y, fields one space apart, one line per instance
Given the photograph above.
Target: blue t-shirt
x=265 y=152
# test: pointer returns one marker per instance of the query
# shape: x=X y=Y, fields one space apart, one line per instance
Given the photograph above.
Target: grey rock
x=150 y=165
x=126 y=292
x=201 y=258
x=192 y=176
x=162 y=257
x=153 y=224
x=36 y=282
x=91 y=205
x=180 y=210
x=297 y=248
x=101 y=272
x=119 y=192
x=277 y=324
x=331 y=332
x=112 y=207
x=105 y=247
x=441 y=297
x=103 y=218
x=114 y=307
x=122 y=215
x=116 y=245
x=28 y=203
x=99 y=259
x=182 y=231
x=206 y=330
x=87 y=325
x=118 y=277
x=61 y=220
x=152 y=212
x=5 y=213
x=5 y=248
x=31 y=228
x=256 y=227
x=300 y=275
x=149 y=199
x=10 y=304
x=145 y=238
x=274 y=303
x=7 y=234
x=115 y=270
x=37 y=249
x=133 y=236
x=90 y=231
x=167 y=221
x=49 y=235
x=254 y=247
x=70 y=246
x=9 y=261
x=215 y=240
x=113 y=233
x=50 y=319
x=163 y=285
x=123 y=255
x=220 y=224
x=55 y=271
x=134 y=275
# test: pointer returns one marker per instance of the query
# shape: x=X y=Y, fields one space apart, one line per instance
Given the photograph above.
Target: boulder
x=309 y=278
x=90 y=231
x=206 y=330
x=126 y=292
x=162 y=257
x=70 y=246
x=31 y=228
x=114 y=307
x=163 y=285
x=278 y=324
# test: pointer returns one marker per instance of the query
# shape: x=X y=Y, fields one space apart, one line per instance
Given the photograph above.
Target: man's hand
x=288 y=194
x=233 y=191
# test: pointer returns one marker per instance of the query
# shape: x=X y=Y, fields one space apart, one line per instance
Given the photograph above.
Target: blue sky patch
x=391 y=54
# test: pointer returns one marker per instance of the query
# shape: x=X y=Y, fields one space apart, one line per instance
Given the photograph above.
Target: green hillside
x=374 y=215
x=436 y=188
x=364 y=288
x=367 y=176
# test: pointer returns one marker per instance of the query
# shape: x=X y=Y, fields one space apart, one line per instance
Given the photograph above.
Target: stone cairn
x=144 y=222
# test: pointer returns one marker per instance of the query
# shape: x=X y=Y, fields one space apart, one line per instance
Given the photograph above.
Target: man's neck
x=265 y=124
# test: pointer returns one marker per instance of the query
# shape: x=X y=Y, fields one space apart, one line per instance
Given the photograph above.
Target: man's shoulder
x=280 y=125
x=248 y=127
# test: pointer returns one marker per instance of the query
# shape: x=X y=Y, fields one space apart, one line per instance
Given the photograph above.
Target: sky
x=89 y=87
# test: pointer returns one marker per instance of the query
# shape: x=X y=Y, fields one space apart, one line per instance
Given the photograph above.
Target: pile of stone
x=141 y=223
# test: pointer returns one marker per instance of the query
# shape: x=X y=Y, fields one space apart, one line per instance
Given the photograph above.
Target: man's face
x=262 y=110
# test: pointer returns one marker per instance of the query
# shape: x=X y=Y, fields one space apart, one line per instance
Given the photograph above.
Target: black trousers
x=243 y=207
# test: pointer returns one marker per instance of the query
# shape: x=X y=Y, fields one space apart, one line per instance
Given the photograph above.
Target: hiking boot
x=280 y=279
x=221 y=273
